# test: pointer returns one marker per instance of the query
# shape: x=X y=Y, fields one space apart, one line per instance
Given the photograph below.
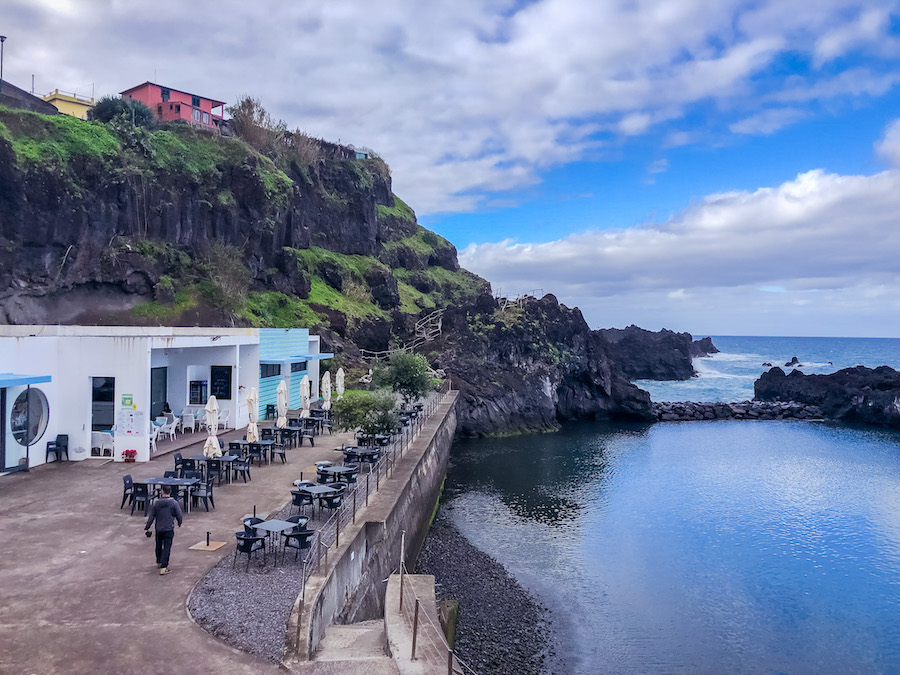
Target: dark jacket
x=165 y=511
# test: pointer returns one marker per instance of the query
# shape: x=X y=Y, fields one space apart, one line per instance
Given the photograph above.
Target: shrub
x=408 y=375
x=110 y=107
x=372 y=412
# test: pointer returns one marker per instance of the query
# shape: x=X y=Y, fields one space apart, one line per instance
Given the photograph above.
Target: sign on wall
x=220 y=377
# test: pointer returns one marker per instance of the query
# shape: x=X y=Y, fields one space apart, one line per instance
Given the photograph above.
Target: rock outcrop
x=648 y=355
x=860 y=394
x=531 y=366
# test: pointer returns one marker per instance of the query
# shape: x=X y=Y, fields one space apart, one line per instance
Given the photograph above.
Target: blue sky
x=716 y=166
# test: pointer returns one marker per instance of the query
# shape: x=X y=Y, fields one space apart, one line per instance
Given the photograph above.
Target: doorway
x=159 y=391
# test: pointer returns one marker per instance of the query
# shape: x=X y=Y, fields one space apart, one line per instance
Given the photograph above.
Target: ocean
x=702 y=547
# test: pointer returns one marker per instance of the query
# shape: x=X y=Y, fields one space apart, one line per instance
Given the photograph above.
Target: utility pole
x=2 y=40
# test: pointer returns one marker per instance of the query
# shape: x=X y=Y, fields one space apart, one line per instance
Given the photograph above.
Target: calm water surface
x=718 y=547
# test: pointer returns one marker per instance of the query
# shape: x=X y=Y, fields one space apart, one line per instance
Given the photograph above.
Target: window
x=29 y=415
x=198 y=392
x=298 y=366
x=206 y=118
x=269 y=370
x=103 y=391
x=196 y=115
x=159 y=110
x=178 y=107
x=166 y=94
x=195 y=101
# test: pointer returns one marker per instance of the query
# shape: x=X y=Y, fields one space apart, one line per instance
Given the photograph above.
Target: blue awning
x=312 y=357
x=17 y=380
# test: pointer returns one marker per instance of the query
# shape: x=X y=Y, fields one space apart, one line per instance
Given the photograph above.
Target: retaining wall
x=350 y=585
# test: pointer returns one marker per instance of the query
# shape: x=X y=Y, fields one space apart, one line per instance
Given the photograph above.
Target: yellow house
x=69 y=104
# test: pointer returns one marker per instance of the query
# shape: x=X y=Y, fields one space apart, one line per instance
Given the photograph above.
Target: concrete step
x=363 y=641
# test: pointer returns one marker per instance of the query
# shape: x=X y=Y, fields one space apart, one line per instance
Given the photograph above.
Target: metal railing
x=357 y=496
x=426 y=329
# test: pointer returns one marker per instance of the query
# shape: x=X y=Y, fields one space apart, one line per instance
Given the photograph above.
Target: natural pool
x=710 y=547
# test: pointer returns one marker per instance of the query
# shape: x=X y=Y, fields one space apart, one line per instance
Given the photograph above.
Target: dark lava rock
x=529 y=366
x=703 y=347
x=645 y=355
x=501 y=629
x=860 y=394
x=792 y=363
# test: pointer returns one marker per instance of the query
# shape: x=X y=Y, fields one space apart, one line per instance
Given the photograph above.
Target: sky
x=716 y=166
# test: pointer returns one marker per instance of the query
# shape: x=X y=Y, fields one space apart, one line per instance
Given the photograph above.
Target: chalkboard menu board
x=220 y=377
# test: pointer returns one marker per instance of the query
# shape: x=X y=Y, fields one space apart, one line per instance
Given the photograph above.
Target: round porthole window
x=29 y=416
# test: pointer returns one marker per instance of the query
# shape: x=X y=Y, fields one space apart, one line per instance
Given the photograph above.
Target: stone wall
x=683 y=411
x=350 y=586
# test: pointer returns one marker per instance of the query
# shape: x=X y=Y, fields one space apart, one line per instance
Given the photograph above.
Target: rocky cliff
x=648 y=355
x=530 y=365
x=860 y=394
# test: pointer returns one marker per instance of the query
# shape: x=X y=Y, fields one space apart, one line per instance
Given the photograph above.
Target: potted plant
x=129 y=455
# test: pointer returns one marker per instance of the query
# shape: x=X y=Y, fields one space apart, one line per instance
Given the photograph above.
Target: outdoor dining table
x=288 y=435
x=275 y=526
x=172 y=482
x=355 y=453
x=317 y=491
x=267 y=447
x=225 y=459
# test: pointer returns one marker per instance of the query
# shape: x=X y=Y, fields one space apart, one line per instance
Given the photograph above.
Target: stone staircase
x=352 y=648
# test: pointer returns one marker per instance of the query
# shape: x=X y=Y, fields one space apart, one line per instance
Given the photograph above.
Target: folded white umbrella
x=304 y=396
x=281 y=403
x=325 y=391
x=211 y=448
x=339 y=384
x=253 y=410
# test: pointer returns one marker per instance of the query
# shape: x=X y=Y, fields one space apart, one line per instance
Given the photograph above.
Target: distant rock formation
x=648 y=355
x=793 y=363
x=860 y=394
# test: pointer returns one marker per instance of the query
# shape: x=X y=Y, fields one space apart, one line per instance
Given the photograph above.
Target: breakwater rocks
x=683 y=411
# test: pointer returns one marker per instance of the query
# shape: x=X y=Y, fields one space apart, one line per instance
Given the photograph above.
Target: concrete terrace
x=81 y=591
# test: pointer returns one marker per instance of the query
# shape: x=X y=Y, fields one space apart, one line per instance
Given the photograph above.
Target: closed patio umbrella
x=253 y=410
x=304 y=396
x=339 y=384
x=281 y=403
x=211 y=448
x=325 y=391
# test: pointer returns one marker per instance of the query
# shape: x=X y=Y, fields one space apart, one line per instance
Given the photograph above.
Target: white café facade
x=81 y=380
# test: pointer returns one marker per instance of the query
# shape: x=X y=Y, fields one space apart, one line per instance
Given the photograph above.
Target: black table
x=316 y=491
x=225 y=459
x=336 y=472
x=172 y=482
x=358 y=454
x=266 y=447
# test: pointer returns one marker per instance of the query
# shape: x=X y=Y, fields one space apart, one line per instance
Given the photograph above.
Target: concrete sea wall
x=350 y=586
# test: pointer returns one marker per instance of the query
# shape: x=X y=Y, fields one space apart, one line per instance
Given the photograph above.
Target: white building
x=82 y=380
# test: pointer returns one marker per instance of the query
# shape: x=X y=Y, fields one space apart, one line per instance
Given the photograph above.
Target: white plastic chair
x=154 y=433
x=223 y=419
x=188 y=422
x=102 y=442
x=169 y=428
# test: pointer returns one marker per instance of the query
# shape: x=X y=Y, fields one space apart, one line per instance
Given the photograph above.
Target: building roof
x=19 y=380
x=212 y=100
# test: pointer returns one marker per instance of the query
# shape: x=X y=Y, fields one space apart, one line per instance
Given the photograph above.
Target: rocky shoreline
x=501 y=628
x=684 y=411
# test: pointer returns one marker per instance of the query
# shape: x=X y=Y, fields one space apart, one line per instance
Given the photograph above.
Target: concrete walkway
x=80 y=589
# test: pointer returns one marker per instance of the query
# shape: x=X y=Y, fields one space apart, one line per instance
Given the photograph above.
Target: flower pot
x=130 y=459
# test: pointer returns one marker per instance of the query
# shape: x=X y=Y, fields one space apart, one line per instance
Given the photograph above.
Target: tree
x=253 y=125
x=407 y=374
x=112 y=107
x=372 y=412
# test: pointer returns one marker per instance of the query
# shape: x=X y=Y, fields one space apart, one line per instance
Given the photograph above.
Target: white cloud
x=888 y=147
x=826 y=241
x=768 y=121
x=463 y=99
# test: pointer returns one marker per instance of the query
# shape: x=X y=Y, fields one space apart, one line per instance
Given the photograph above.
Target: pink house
x=172 y=105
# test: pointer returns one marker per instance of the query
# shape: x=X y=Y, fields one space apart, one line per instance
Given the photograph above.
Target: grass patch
x=400 y=209
x=184 y=300
x=424 y=242
x=456 y=286
x=352 y=266
x=271 y=309
x=412 y=301
x=323 y=294
x=54 y=140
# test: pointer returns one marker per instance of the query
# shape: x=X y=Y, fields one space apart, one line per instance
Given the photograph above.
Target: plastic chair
x=214 y=470
x=188 y=423
x=58 y=447
x=242 y=466
x=249 y=528
x=140 y=495
x=300 y=499
x=205 y=492
x=271 y=411
x=298 y=539
x=278 y=449
x=248 y=544
x=255 y=452
x=223 y=419
x=333 y=500
x=187 y=465
x=128 y=490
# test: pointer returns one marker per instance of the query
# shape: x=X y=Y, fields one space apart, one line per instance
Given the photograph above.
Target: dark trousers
x=164 y=546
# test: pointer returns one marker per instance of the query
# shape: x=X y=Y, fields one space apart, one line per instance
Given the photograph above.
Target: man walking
x=165 y=511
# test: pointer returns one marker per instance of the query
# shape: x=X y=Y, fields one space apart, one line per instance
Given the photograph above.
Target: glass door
x=159 y=391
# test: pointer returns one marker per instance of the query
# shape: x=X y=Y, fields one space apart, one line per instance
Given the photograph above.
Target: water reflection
x=539 y=477
x=698 y=547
